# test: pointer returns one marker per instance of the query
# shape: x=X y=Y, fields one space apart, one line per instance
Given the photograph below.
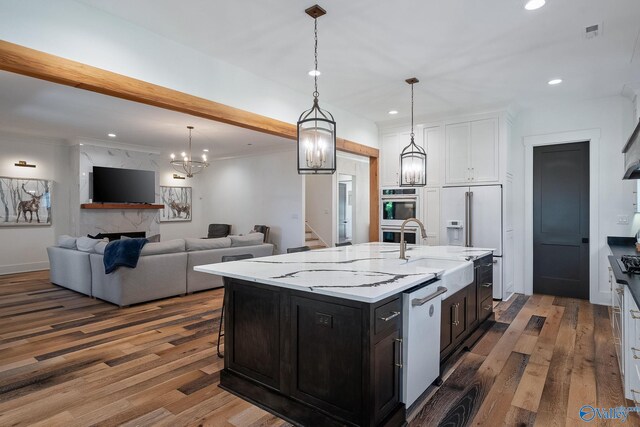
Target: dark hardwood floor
x=69 y=360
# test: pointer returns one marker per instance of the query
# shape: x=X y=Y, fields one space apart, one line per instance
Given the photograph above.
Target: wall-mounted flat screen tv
x=113 y=185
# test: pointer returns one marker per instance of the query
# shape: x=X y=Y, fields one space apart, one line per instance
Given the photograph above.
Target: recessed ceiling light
x=112 y=135
x=534 y=4
x=314 y=73
x=393 y=112
x=554 y=82
x=81 y=143
x=206 y=150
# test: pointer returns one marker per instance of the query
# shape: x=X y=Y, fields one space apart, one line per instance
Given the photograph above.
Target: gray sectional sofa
x=164 y=269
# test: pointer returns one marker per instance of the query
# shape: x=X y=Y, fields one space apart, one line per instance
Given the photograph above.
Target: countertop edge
x=624 y=279
x=322 y=291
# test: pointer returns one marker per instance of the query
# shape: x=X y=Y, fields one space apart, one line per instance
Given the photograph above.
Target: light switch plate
x=623 y=220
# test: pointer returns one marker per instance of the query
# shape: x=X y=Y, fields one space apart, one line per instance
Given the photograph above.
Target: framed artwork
x=177 y=204
x=25 y=202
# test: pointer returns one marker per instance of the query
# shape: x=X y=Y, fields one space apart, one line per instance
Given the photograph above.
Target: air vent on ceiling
x=593 y=31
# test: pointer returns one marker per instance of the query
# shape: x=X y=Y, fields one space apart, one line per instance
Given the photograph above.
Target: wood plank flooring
x=69 y=360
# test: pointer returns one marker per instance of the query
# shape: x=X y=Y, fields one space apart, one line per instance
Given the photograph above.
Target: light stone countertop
x=367 y=272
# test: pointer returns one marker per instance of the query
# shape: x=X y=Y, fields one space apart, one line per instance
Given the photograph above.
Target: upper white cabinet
x=390 y=160
x=457 y=148
x=429 y=138
x=471 y=152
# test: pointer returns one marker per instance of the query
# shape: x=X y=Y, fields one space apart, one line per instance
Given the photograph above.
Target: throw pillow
x=66 y=241
x=154 y=239
x=87 y=244
x=251 y=239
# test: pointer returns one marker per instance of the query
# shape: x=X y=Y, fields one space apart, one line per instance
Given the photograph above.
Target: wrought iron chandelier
x=413 y=159
x=316 y=127
x=186 y=164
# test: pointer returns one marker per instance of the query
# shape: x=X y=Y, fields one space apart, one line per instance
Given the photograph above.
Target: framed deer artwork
x=177 y=204
x=25 y=202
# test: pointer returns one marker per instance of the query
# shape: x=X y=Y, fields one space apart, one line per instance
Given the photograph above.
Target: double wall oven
x=396 y=205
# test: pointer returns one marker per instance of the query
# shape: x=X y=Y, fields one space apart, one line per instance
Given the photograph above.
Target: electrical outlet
x=325 y=320
x=623 y=220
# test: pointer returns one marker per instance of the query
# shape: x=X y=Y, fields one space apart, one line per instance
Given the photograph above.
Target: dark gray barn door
x=561 y=220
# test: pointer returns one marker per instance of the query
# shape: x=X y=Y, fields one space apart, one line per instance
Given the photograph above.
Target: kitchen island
x=317 y=337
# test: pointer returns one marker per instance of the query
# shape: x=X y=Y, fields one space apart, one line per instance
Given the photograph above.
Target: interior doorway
x=561 y=220
x=346 y=207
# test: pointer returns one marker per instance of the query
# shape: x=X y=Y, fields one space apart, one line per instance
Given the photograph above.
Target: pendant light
x=316 y=127
x=413 y=159
x=186 y=164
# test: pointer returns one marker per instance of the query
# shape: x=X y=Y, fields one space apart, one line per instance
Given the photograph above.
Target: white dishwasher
x=420 y=340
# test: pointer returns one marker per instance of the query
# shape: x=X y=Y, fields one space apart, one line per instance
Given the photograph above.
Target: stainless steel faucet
x=403 y=244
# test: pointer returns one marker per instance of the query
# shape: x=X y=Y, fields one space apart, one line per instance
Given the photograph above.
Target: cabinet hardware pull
x=487 y=285
x=620 y=291
x=615 y=309
x=456 y=322
x=487 y=307
x=422 y=301
x=634 y=392
x=399 y=341
x=633 y=352
x=635 y=314
x=393 y=315
x=489 y=265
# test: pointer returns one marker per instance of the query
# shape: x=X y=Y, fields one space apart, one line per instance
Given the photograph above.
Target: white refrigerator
x=472 y=216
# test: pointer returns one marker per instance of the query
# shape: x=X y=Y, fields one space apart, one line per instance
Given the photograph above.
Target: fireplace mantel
x=120 y=206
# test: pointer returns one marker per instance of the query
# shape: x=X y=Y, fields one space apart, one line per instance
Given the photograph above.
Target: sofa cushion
x=248 y=240
x=87 y=244
x=205 y=244
x=66 y=241
x=99 y=248
x=170 y=246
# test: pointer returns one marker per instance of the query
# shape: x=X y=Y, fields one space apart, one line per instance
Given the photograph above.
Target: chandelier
x=186 y=164
x=316 y=127
x=413 y=159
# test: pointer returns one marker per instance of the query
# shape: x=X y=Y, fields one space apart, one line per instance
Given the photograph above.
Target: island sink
x=455 y=274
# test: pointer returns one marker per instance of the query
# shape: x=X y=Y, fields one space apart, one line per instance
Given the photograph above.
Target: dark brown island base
x=318 y=360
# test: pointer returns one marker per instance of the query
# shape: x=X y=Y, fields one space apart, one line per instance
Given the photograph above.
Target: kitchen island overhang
x=316 y=337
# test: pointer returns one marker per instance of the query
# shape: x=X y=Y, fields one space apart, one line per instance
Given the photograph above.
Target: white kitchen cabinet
x=431 y=215
x=432 y=143
x=458 y=140
x=631 y=348
x=471 y=152
x=484 y=158
x=390 y=160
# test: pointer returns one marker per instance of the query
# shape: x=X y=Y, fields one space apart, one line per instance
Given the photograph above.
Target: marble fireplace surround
x=94 y=221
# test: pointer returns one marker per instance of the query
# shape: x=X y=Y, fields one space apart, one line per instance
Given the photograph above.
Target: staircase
x=311 y=239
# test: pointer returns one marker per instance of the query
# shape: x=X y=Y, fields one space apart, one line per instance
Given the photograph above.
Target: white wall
x=88 y=35
x=358 y=166
x=319 y=201
x=613 y=117
x=254 y=190
x=24 y=248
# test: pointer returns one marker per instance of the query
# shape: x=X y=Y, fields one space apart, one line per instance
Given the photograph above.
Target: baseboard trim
x=23 y=268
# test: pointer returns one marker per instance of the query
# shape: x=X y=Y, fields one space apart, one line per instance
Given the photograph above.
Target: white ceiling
x=37 y=107
x=468 y=54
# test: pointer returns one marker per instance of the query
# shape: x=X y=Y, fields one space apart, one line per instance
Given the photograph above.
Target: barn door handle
x=585 y=240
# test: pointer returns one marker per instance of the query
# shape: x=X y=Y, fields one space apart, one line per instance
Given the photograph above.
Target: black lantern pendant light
x=413 y=159
x=316 y=127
